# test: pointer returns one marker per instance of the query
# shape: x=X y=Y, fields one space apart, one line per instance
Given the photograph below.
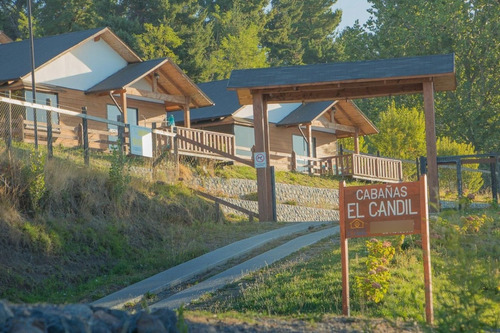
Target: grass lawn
x=466 y=279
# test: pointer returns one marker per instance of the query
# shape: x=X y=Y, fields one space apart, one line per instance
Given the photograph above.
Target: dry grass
x=82 y=243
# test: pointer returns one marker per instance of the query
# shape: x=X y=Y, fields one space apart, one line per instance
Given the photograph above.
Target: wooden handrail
x=228 y=204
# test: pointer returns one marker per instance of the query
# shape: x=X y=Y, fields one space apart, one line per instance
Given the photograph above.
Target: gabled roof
x=127 y=75
x=171 y=80
x=305 y=113
x=4 y=38
x=351 y=80
x=226 y=103
x=16 y=56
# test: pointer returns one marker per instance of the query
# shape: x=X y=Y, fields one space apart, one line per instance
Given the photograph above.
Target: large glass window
x=244 y=137
x=41 y=115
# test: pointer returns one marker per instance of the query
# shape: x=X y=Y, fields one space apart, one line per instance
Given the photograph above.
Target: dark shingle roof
x=127 y=75
x=16 y=57
x=305 y=113
x=226 y=103
x=346 y=71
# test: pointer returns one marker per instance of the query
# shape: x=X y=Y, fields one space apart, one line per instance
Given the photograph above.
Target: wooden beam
x=350 y=93
x=430 y=137
x=176 y=99
x=343 y=128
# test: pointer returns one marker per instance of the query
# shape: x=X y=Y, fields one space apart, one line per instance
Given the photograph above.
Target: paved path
x=237 y=272
x=200 y=265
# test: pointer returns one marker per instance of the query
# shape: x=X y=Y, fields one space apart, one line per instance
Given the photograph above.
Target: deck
x=221 y=146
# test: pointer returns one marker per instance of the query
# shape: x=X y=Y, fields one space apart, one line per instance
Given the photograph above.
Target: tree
x=158 y=42
x=237 y=44
x=471 y=30
x=61 y=16
x=401 y=133
x=301 y=32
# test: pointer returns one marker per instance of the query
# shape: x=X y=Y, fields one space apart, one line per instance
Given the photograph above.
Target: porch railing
x=217 y=141
x=365 y=167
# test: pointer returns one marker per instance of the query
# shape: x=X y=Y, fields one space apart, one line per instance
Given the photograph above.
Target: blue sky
x=352 y=10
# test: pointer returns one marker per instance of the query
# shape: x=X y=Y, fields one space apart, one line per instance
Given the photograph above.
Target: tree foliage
x=209 y=38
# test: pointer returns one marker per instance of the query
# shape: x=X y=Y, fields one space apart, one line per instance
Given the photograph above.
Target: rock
x=76 y=318
x=168 y=318
x=146 y=323
x=5 y=313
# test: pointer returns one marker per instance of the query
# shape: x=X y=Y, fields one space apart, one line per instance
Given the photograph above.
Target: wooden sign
x=382 y=210
x=385 y=210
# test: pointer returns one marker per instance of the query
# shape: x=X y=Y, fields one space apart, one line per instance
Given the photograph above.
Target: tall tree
x=301 y=32
x=61 y=16
x=237 y=44
x=471 y=30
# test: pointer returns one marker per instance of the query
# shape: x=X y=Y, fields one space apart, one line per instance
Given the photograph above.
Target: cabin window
x=41 y=115
x=244 y=138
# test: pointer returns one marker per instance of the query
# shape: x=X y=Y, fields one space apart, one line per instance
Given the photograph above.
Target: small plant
x=373 y=284
x=37 y=187
x=473 y=223
x=181 y=322
x=290 y=202
x=119 y=177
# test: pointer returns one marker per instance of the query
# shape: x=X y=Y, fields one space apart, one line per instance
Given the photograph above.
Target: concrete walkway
x=200 y=265
x=237 y=272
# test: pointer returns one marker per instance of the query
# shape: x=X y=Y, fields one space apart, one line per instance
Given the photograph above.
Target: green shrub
x=373 y=284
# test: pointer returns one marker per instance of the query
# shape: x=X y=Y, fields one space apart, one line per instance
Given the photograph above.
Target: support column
x=123 y=96
x=430 y=137
x=261 y=132
x=187 y=113
x=356 y=141
x=309 y=147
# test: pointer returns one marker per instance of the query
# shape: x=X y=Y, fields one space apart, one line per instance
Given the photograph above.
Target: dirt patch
x=200 y=323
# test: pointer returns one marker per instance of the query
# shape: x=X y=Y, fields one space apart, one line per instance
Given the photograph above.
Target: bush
x=374 y=283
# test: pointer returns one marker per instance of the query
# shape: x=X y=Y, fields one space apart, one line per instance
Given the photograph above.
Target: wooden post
x=430 y=137
x=459 y=178
x=176 y=153
x=9 y=124
x=494 y=179
x=344 y=253
x=154 y=143
x=50 y=151
x=273 y=195
x=356 y=140
x=309 y=148
x=85 y=137
x=187 y=113
x=261 y=145
x=123 y=96
x=426 y=249
x=294 y=161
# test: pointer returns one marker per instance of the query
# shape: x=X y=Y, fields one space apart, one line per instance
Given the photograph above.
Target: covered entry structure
x=351 y=80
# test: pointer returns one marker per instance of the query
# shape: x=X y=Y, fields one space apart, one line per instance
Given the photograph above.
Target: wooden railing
x=217 y=141
x=365 y=167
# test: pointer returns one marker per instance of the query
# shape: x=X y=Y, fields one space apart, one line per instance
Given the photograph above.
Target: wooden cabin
x=305 y=129
x=97 y=70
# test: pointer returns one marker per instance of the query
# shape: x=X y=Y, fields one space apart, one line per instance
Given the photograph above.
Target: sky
x=352 y=10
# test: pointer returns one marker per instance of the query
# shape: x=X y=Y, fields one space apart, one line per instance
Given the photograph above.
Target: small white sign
x=260 y=160
x=141 y=141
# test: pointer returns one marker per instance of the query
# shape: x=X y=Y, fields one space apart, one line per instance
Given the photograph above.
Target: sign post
x=385 y=210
